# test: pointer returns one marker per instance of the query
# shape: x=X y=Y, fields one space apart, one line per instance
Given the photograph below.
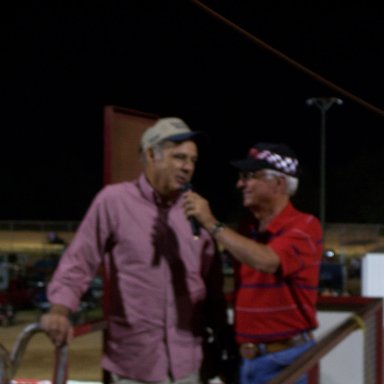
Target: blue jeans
x=263 y=368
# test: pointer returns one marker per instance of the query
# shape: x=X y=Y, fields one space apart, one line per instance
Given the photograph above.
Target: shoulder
x=121 y=188
x=306 y=218
x=307 y=223
x=112 y=194
x=291 y=213
x=295 y=219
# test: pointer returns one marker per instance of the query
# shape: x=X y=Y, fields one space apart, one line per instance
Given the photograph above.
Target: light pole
x=323 y=103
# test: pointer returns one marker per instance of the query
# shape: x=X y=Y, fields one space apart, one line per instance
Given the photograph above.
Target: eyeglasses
x=248 y=175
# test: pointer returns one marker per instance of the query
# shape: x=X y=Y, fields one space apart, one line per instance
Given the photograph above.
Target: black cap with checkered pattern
x=277 y=156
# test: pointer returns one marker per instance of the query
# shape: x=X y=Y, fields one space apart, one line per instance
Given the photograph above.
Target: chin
x=177 y=187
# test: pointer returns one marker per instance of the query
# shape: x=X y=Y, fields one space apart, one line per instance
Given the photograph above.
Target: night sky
x=62 y=64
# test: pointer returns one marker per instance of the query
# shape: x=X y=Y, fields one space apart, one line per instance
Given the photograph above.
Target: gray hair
x=292 y=182
x=157 y=150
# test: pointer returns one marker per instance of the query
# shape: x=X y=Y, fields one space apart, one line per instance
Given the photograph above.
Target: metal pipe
x=323 y=103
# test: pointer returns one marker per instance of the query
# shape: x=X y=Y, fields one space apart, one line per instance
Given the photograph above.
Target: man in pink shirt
x=164 y=284
x=277 y=251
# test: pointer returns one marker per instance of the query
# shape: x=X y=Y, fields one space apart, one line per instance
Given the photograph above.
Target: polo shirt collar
x=288 y=211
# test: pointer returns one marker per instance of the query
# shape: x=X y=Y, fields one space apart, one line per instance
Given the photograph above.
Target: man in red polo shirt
x=277 y=251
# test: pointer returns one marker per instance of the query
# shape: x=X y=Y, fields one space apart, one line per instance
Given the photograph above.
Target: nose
x=189 y=165
x=240 y=183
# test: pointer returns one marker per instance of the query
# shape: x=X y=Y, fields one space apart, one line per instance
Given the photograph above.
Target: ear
x=282 y=182
x=149 y=154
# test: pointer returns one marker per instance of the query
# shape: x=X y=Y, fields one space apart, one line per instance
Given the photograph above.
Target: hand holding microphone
x=195 y=226
x=199 y=213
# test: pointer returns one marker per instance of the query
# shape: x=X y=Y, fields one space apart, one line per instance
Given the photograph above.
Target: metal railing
x=10 y=362
x=366 y=312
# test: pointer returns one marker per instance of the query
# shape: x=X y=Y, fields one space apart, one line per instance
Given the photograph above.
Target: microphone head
x=186 y=187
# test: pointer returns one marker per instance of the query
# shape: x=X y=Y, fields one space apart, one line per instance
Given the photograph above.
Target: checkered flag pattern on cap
x=285 y=164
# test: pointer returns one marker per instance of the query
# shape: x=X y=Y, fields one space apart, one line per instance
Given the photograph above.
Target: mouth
x=182 y=181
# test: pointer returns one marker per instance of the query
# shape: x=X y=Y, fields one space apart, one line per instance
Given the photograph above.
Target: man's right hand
x=57 y=325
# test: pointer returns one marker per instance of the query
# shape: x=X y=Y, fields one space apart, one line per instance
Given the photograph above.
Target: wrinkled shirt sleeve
x=81 y=260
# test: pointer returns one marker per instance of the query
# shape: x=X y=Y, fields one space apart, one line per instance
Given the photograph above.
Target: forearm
x=245 y=250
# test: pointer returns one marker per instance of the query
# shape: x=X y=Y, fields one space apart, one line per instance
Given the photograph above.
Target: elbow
x=269 y=266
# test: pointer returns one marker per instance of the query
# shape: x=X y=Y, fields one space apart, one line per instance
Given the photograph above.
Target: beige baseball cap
x=167 y=128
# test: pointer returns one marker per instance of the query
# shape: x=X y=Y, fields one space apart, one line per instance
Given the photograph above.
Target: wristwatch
x=216 y=228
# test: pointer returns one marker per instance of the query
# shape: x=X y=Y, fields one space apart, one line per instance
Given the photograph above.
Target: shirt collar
x=288 y=211
x=151 y=195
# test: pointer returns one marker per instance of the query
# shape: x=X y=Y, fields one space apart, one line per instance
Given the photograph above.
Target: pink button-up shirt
x=157 y=278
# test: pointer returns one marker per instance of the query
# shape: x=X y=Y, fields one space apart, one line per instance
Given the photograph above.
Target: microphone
x=195 y=226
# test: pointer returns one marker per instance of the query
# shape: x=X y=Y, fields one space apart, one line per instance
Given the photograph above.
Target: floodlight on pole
x=323 y=103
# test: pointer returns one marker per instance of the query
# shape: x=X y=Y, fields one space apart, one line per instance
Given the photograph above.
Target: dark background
x=61 y=64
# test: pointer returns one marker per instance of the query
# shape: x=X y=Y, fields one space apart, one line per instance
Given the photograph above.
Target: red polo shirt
x=277 y=306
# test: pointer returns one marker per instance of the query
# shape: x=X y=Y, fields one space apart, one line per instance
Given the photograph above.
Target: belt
x=252 y=350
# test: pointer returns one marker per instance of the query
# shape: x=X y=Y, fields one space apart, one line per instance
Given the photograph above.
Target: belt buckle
x=301 y=338
x=248 y=350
